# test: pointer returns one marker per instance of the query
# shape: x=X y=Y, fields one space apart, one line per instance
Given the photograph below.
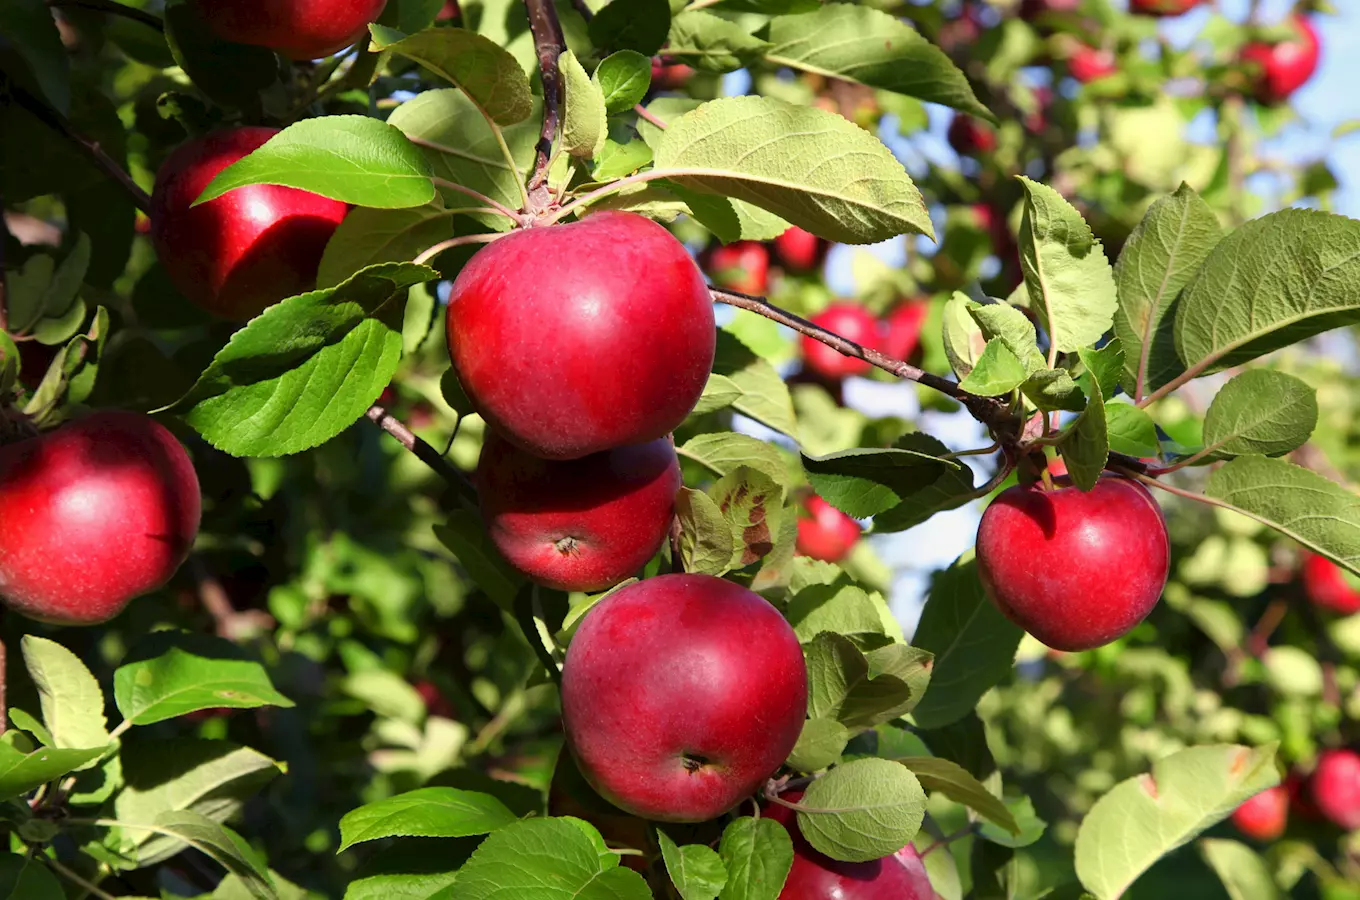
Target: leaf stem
x=460 y=241
x=494 y=205
x=611 y=188
x=76 y=879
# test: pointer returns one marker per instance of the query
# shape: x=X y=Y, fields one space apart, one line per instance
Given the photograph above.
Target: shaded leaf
x=488 y=74
x=696 y=871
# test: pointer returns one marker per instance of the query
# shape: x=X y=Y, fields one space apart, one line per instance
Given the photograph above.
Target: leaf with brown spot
x=751 y=502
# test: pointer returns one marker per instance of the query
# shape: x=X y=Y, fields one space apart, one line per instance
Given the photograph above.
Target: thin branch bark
x=114 y=9
x=379 y=416
x=549 y=44
x=584 y=10
x=4 y=275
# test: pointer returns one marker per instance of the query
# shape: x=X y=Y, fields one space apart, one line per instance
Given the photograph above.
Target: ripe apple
x=247 y=249
x=1264 y=816
x=1088 y=63
x=572 y=339
x=827 y=533
x=99 y=511
x=570 y=794
x=815 y=876
x=971 y=137
x=670 y=76
x=299 y=29
x=1074 y=569
x=799 y=250
x=448 y=12
x=743 y=266
x=1162 y=8
x=904 y=328
x=1326 y=584
x=681 y=695
x=581 y=524
x=1336 y=787
x=1285 y=67
x=851 y=321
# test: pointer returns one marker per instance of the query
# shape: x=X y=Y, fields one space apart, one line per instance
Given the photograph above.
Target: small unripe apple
x=904 y=328
x=681 y=695
x=299 y=29
x=1326 y=584
x=743 y=266
x=93 y=514
x=1283 y=68
x=582 y=524
x=1162 y=8
x=799 y=250
x=572 y=339
x=1335 y=787
x=971 y=137
x=815 y=876
x=1264 y=816
x=1074 y=569
x=247 y=249
x=827 y=533
x=850 y=321
x=1089 y=63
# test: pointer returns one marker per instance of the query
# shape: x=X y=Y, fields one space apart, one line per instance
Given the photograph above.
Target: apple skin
x=1326 y=585
x=93 y=514
x=1089 y=64
x=815 y=876
x=1076 y=570
x=799 y=250
x=681 y=695
x=572 y=339
x=1162 y=8
x=1335 y=787
x=742 y=266
x=1287 y=66
x=851 y=321
x=582 y=524
x=904 y=328
x=670 y=76
x=971 y=137
x=1264 y=816
x=827 y=534
x=247 y=249
x=299 y=29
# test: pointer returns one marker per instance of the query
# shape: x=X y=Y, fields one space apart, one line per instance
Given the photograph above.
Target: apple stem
x=947 y=840
x=379 y=416
x=549 y=44
x=116 y=9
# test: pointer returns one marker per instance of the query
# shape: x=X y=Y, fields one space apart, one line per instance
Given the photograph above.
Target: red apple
x=827 y=534
x=1325 y=584
x=743 y=266
x=448 y=12
x=798 y=250
x=904 y=328
x=572 y=339
x=815 y=876
x=247 y=249
x=1264 y=816
x=1299 y=787
x=1336 y=787
x=1162 y=8
x=299 y=29
x=850 y=321
x=436 y=704
x=681 y=695
x=971 y=137
x=99 y=511
x=582 y=524
x=1076 y=570
x=1088 y=63
x=1285 y=67
x=670 y=76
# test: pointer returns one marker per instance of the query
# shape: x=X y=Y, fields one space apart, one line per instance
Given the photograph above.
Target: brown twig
x=230 y=622
x=4 y=276
x=378 y=415
x=115 y=9
x=585 y=11
x=549 y=44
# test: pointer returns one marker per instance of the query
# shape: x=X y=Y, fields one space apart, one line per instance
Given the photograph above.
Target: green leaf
x=71 y=377
x=707 y=543
x=752 y=504
x=725 y=451
x=306 y=368
x=696 y=871
x=973 y=644
x=775 y=155
x=1131 y=430
x=711 y=43
x=863 y=689
x=367 y=237
x=72 y=703
x=1244 y=873
x=963 y=339
x=1086 y=445
x=410 y=870
x=212 y=839
x=955 y=782
x=28 y=29
x=720 y=392
x=820 y=744
x=1031 y=827
x=729 y=220
x=866 y=45
x=863 y=482
x=546 y=859
x=863 y=810
x=490 y=76
x=1260 y=412
x=355 y=159
x=623 y=79
x=764 y=394
x=1106 y=366
x=26 y=878
x=465 y=535
x=1318 y=513
x=26 y=722
x=232 y=75
x=172 y=673
x=951 y=490
x=41 y=290
x=584 y=120
x=616 y=160
x=386 y=694
x=22 y=771
x=427 y=812
x=1147 y=816
x=1067 y=275
x=758 y=854
x=1157 y=262
x=1001 y=321
x=840 y=607
x=996 y=372
x=1273 y=282
x=639 y=25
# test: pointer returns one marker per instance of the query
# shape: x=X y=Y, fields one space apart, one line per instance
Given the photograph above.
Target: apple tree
x=435 y=457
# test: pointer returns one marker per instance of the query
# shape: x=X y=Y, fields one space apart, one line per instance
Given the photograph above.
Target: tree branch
x=549 y=44
x=378 y=415
x=116 y=9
